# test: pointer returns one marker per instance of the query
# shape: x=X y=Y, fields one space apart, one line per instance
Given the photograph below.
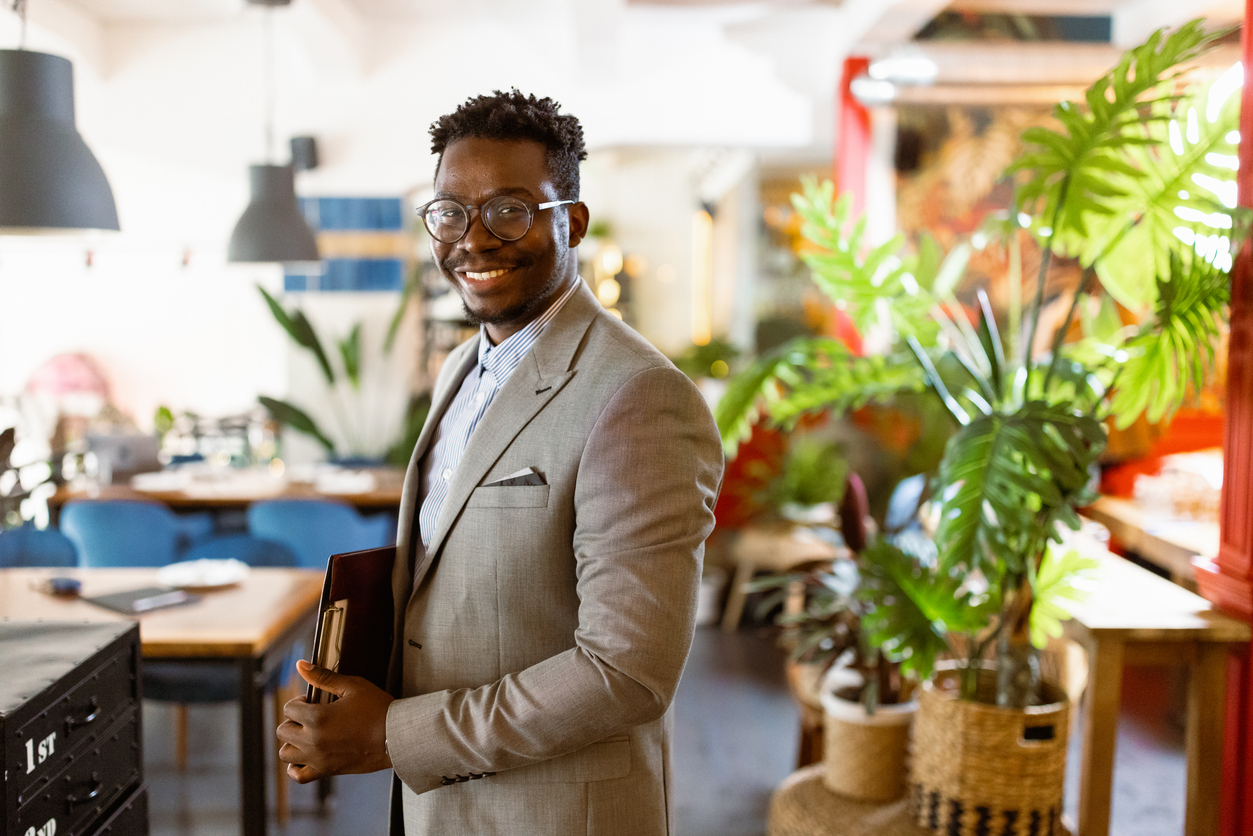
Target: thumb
x=320 y=677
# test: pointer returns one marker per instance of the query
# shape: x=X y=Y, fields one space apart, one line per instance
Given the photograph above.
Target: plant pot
x=979 y=768
x=865 y=754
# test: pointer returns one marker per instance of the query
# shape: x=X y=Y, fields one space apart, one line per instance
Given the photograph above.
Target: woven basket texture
x=980 y=769
x=863 y=761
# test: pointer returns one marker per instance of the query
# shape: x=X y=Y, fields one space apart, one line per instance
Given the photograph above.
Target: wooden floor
x=735 y=740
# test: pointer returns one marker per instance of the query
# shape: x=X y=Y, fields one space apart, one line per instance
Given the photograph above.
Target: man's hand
x=344 y=737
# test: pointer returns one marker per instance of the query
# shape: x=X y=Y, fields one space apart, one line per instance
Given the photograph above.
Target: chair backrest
x=121 y=532
x=255 y=551
x=30 y=547
x=315 y=529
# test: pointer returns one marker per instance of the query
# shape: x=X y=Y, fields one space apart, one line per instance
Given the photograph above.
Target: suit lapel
x=463 y=358
x=537 y=380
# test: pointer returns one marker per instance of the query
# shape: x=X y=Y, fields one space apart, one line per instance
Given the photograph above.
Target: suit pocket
x=602 y=761
x=512 y=496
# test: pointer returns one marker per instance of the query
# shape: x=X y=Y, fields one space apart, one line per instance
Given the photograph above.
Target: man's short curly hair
x=511 y=116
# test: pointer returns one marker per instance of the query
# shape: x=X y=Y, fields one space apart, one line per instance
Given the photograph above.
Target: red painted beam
x=1229 y=583
x=852 y=138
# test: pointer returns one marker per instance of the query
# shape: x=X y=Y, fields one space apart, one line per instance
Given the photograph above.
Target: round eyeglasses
x=506 y=217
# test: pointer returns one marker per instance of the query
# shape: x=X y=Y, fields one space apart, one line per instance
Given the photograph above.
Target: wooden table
x=249 y=626
x=1168 y=544
x=1135 y=617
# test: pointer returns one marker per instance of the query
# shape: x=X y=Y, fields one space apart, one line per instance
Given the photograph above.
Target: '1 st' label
x=36 y=756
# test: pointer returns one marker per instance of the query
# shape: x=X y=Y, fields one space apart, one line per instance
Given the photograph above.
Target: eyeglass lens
x=505 y=217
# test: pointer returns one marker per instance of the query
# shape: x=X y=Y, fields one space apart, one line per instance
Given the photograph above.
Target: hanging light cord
x=269 y=83
x=19 y=8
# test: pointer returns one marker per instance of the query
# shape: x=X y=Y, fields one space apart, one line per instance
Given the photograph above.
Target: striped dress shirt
x=496 y=363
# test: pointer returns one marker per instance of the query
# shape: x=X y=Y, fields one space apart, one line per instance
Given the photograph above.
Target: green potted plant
x=343 y=388
x=1135 y=184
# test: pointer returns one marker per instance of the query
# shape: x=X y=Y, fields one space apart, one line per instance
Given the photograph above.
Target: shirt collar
x=503 y=358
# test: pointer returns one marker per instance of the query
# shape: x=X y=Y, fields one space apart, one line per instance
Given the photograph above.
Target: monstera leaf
x=1171 y=355
x=1185 y=188
x=1053 y=588
x=1074 y=172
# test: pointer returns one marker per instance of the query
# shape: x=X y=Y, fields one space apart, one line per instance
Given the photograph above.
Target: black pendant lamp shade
x=272 y=228
x=49 y=179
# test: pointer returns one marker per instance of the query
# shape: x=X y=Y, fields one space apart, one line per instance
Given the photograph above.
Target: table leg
x=252 y=737
x=1206 y=701
x=1100 y=735
x=737 y=596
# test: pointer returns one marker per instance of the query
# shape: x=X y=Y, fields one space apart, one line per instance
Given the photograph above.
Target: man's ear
x=579 y=220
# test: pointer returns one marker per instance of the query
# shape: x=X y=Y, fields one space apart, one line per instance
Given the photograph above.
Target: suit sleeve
x=647 y=481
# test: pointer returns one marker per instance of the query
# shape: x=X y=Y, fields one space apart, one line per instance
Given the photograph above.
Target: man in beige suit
x=551 y=529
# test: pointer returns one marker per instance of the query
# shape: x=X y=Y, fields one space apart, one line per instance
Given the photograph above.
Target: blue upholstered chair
x=128 y=532
x=31 y=547
x=315 y=529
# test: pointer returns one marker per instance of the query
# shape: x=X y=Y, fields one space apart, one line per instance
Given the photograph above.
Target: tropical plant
x=1136 y=184
x=344 y=386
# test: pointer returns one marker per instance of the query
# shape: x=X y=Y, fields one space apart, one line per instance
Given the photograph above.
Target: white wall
x=174 y=114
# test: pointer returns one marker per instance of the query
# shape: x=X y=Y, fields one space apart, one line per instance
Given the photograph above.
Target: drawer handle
x=82 y=799
x=71 y=723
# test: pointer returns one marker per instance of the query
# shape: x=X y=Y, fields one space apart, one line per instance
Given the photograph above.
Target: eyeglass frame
x=531 y=209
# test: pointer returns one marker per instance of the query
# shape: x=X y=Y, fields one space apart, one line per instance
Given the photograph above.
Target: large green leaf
x=1005 y=479
x=910 y=608
x=296 y=418
x=1175 y=193
x=1053 y=587
x=1083 y=167
x=350 y=353
x=1173 y=352
x=301 y=331
x=402 y=307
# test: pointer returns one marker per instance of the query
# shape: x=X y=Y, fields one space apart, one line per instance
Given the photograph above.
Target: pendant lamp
x=49 y=180
x=271 y=228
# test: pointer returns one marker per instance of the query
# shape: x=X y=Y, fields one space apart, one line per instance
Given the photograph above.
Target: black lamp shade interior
x=272 y=228
x=49 y=179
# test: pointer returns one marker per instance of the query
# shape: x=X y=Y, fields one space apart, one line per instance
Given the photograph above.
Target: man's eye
x=511 y=211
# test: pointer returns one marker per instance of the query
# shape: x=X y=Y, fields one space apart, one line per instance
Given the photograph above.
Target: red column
x=852 y=138
x=1229 y=583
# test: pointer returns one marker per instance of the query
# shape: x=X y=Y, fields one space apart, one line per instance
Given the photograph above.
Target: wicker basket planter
x=979 y=769
x=865 y=755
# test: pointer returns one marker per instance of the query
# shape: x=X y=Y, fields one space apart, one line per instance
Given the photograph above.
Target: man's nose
x=478 y=236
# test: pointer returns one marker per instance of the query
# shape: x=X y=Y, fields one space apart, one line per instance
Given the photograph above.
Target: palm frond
x=1007 y=478
x=869 y=283
x=297 y=419
x=350 y=353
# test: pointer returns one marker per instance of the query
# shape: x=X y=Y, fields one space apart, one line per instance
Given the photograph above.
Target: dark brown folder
x=355 y=624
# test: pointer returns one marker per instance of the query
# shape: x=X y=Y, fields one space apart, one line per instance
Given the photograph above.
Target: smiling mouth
x=482 y=277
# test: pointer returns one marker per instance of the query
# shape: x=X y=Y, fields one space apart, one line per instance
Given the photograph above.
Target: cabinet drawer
x=101 y=771
x=46 y=743
x=129 y=819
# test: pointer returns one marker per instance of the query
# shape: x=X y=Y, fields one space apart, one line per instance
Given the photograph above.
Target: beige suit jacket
x=540 y=639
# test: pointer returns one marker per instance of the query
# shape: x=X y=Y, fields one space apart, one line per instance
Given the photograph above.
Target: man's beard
x=526 y=311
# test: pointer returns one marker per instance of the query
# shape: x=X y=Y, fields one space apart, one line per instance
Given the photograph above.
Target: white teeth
x=478 y=277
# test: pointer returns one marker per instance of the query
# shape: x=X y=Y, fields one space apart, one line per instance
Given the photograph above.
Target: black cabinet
x=71 y=729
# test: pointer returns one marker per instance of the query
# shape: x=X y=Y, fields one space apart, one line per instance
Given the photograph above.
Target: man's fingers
x=320 y=677
x=302 y=774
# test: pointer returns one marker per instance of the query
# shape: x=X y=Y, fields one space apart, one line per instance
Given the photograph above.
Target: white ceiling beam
x=1135 y=20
